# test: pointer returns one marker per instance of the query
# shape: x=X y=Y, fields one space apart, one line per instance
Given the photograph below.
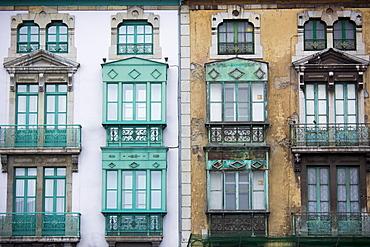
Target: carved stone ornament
x=297 y=162
x=4 y=163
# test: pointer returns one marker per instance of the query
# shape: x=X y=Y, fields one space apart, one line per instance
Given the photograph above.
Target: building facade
x=275 y=133
x=89 y=122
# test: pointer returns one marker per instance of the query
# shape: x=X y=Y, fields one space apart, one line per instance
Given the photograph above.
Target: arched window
x=314 y=35
x=135 y=37
x=57 y=37
x=344 y=34
x=235 y=37
x=28 y=37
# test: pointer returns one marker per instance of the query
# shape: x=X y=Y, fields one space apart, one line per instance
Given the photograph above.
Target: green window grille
x=235 y=37
x=344 y=34
x=27 y=104
x=135 y=190
x=54 y=189
x=236 y=190
x=135 y=37
x=25 y=189
x=316 y=103
x=237 y=101
x=57 y=37
x=135 y=102
x=28 y=37
x=314 y=35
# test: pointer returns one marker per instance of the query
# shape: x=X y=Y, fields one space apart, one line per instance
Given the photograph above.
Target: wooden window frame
x=57 y=45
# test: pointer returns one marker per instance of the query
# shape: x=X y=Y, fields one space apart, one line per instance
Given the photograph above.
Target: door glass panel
x=215 y=193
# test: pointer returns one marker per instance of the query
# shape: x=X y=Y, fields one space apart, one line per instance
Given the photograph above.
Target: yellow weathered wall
x=278 y=39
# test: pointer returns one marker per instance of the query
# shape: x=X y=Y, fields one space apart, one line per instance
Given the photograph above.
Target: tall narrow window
x=316 y=103
x=25 y=189
x=348 y=189
x=235 y=37
x=239 y=101
x=318 y=193
x=345 y=103
x=27 y=104
x=314 y=35
x=28 y=37
x=57 y=37
x=344 y=34
x=55 y=189
x=135 y=37
x=56 y=104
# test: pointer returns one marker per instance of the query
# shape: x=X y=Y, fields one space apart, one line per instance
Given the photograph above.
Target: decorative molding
x=74 y=160
x=4 y=162
x=297 y=162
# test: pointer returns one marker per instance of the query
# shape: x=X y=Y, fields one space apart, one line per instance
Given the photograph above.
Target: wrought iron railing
x=331 y=224
x=40 y=224
x=135 y=49
x=120 y=135
x=33 y=136
x=237 y=133
x=330 y=134
x=140 y=224
x=239 y=48
x=251 y=223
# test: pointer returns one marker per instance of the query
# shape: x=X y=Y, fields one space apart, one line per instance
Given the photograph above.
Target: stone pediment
x=331 y=65
x=41 y=61
x=41 y=67
x=330 y=56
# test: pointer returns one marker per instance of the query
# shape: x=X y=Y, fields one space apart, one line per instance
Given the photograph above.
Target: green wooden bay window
x=57 y=37
x=28 y=37
x=236 y=37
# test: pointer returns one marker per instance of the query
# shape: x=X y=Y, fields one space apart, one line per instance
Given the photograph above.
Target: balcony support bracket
x=4 y=163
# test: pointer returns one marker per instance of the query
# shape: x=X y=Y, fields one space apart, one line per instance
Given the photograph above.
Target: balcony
x=29 y=227
x=237 y=134
x=122 y=135
x=331 y=224
x=330 y=137
x=21 y=137
x=248 y=223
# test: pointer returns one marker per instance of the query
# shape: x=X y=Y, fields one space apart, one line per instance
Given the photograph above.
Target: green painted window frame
x=250 y=102
x=318 y=189
x=25 y=188
x=347 y=97
x=347 y=198
x=57 y=37
x=115 y=187
x=135 y=37
x=315 y=35
x=56 y=107
x=316 y=103
x=55 y=178
x=222 y=193
x=235 y=37
x=27 y=107
x=344 y=35
x=28 y=37
x=115 y=100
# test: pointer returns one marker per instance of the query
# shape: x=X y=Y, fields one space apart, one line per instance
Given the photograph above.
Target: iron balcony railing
x=233 y=133
x=40 y=224
x=330 y=135
x=139 y=224
x=121 y=135
x=33 y=136
x=248 y=223
x=331 y=224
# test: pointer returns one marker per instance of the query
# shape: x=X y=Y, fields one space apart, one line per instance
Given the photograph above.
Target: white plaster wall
x=92 y=40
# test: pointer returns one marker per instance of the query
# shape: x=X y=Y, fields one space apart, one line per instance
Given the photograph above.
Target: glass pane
x=140 y=39
x=321 y=91
x=126 y=180
x=112 y=111
x=310 y=92
x=34 y=88
x=33 y=103
x=34 y=29
x=243 y=112
x=141 y=180
x=19 y=205
x=243 y=191
x=127 y=109
x=243 y=92
x=62 y=88
x=140 y=199
x=112 y=92
x=111 y=199
x=215 y=92
x=130 y=29
x=20 y=171
x=156 y=92
x=50 y=88
x=230 y=92
x=60 y=204
x=215 y=194
x=339 y=107
x=156 y=111
x=60 y=187
x=127 y=199
x=230 y=191
x=61 y=171
x=31 y=204
x=22 y=103
x=215 y=111
x=258 y=92
x=156 y=200
x=31 y=171
x=49 y=171
x=49 y=187
x=49 y=205
x=62 y=104
x=141 y=111
x=31 y=188
x=230 y=113
x=19 y=185
x=310 y=107
x=148 y=29
x=50 y=101
x=140 y=92
x=111 y=179
x=339 y=91
x=156 y=180
x=258 y=112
